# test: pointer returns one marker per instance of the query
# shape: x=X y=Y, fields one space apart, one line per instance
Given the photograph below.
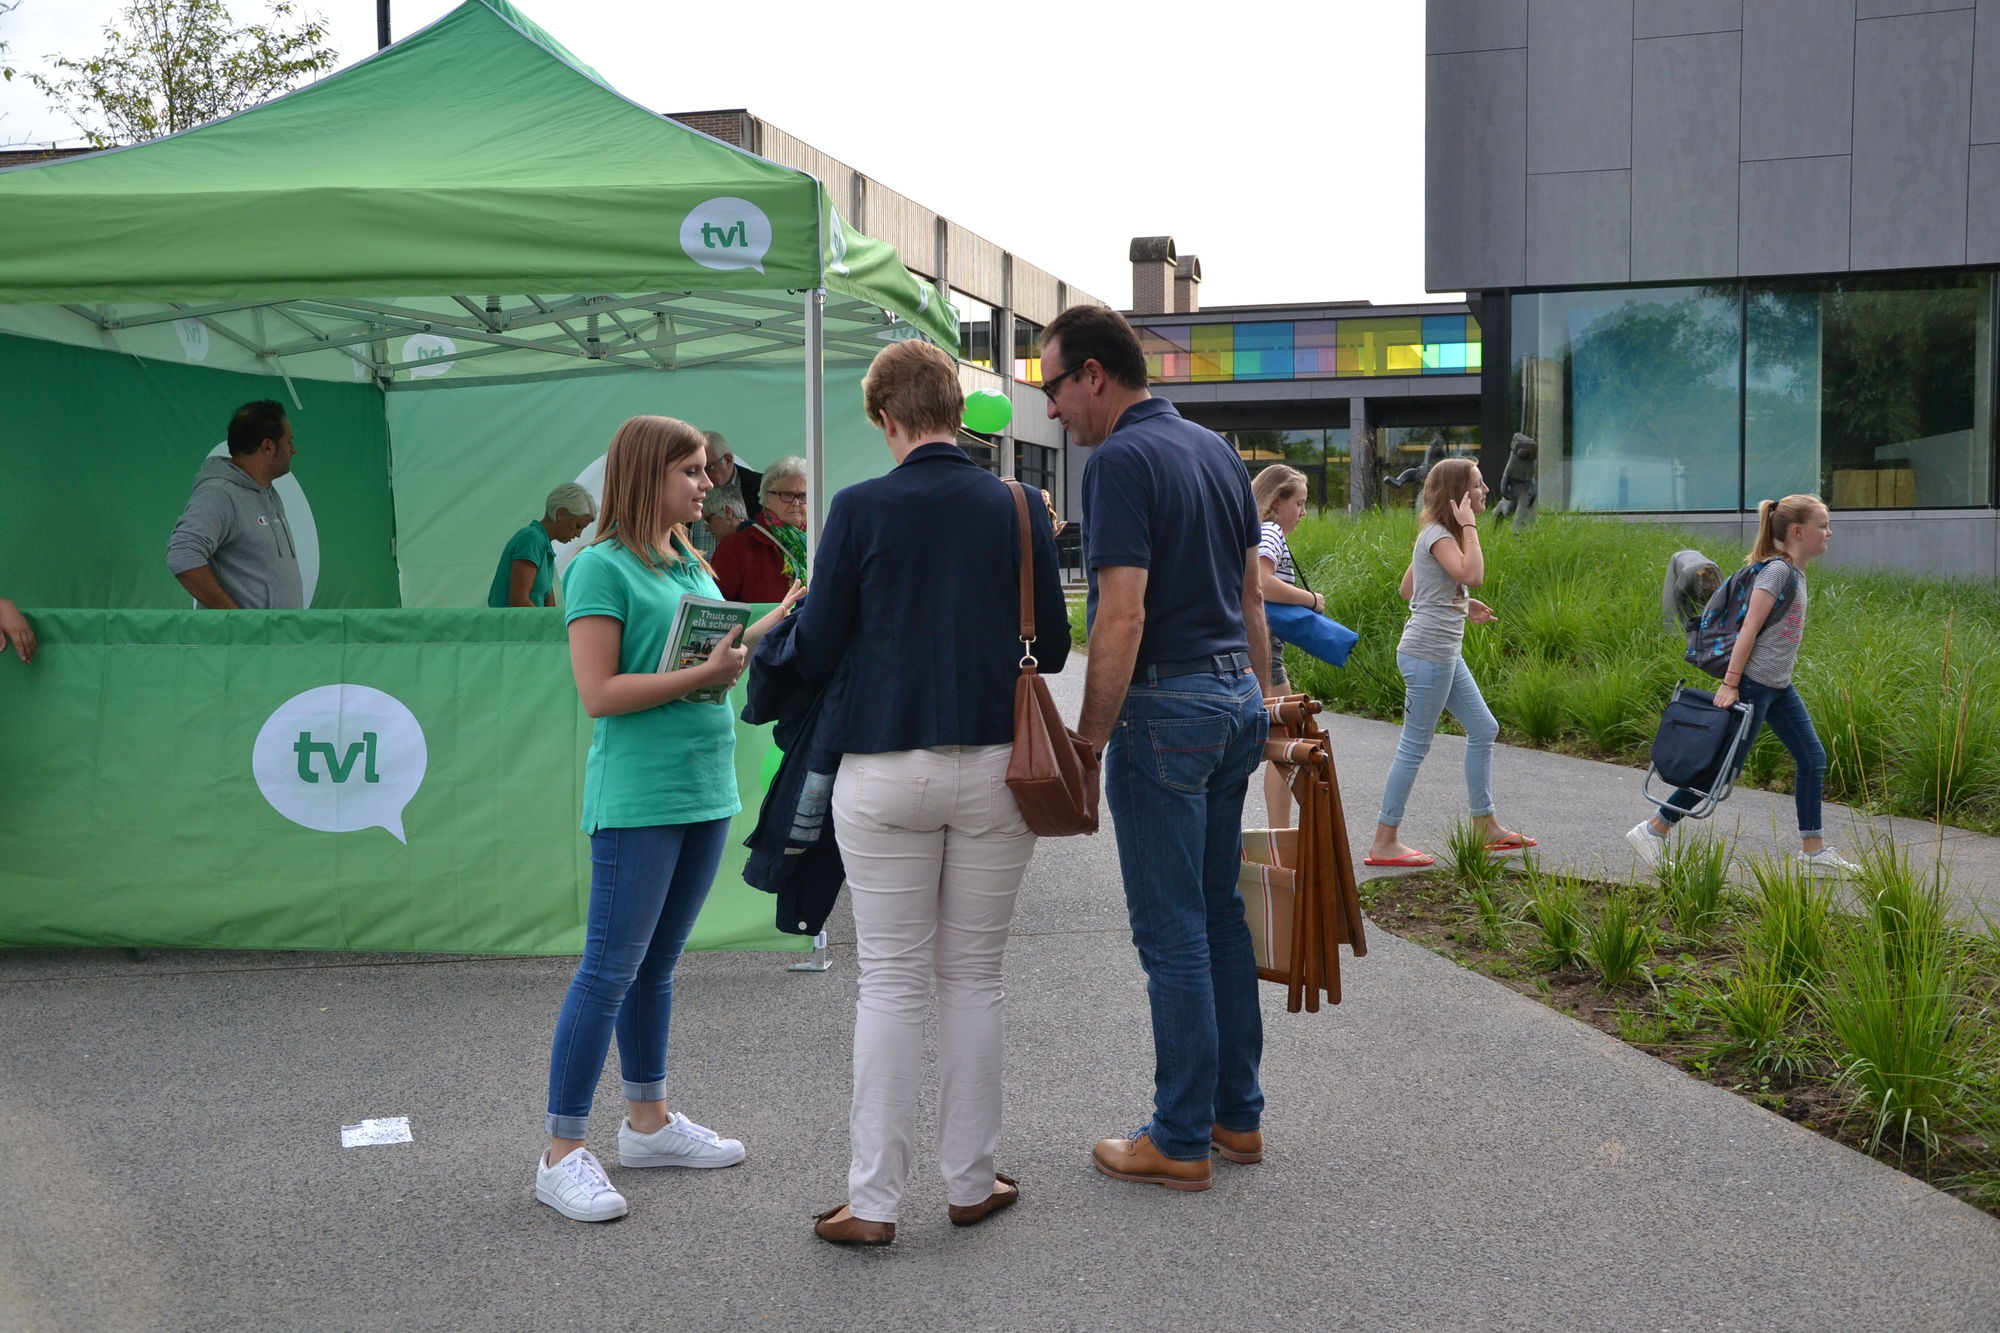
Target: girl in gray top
x=1790 y=533
x=1446 y=564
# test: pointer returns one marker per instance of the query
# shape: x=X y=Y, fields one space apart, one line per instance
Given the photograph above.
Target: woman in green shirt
x=659 y=790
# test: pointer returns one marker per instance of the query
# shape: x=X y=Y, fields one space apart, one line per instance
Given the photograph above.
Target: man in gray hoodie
x=232 y=547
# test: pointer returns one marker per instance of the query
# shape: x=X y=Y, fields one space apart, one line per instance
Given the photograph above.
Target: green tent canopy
x=466 y=258
x=472 y=196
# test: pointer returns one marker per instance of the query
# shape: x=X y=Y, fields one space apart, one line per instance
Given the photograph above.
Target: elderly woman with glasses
x=759 y=561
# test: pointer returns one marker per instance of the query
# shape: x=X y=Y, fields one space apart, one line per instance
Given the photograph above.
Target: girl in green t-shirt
x=659 y=790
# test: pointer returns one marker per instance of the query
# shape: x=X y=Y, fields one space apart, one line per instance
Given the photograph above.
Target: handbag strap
x=1025 y=567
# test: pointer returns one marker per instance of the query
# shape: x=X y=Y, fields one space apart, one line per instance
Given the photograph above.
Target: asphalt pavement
x=1442 y=1153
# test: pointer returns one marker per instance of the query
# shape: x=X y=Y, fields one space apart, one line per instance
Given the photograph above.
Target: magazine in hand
x=699 y=625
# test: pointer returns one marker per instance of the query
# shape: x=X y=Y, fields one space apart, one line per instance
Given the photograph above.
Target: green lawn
x=1901 y=672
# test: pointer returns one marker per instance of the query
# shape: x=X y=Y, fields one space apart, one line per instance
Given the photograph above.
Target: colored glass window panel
x=1214 y=349
x=1369 y=347
x=1313 y=350
x=1263 y=351
x=1167 y=353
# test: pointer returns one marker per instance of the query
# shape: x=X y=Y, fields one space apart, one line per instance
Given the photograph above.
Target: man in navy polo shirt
x=1173 y=698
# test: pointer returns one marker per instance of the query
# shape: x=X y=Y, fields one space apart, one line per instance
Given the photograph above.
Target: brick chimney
x=1187 y=278
x=1153 y=261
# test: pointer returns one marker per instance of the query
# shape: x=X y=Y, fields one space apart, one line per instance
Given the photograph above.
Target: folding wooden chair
x=1299 y=892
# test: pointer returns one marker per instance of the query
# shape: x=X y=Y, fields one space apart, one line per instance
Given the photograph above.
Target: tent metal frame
x=648 y=331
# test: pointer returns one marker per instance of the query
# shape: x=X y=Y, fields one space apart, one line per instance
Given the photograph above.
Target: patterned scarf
x=790 y=540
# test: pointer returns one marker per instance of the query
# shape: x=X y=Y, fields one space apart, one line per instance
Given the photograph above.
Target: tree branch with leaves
x=170 y=65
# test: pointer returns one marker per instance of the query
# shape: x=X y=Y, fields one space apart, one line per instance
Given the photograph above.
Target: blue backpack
x=1712 y=637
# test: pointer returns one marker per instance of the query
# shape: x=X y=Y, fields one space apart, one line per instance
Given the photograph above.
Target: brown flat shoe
x=1137 y=1159
x=842 y=1227
x=1237 y=1145
x=1005 y=1194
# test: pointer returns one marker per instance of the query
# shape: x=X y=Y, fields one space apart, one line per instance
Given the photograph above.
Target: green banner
x=365 y=780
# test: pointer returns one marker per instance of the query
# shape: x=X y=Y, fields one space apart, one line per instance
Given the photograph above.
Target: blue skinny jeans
x=1786 y=713
x=1429 y=688
x=647 y=886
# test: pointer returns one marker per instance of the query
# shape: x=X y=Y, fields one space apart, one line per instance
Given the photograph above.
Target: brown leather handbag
x=1053 y=771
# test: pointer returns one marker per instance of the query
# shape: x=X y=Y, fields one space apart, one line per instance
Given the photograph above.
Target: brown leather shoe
x=1137 y=1159
x=1005 y=1194
x=842 y=1227
x=1237 y=1145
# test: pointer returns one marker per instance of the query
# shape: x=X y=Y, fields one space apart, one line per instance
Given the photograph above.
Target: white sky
x=1281 y=141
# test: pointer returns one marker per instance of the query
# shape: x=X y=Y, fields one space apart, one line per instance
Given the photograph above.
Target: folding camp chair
x=1299 y=893
x=1699 y=747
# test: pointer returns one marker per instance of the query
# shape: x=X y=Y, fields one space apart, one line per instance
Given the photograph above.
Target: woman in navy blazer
x=915 y=602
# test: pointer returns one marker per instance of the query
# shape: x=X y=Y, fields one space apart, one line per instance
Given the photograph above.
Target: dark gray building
x=1724 y=250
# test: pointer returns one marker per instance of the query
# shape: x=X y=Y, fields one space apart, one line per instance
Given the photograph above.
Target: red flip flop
x=1407 y=861
x=1516 y=843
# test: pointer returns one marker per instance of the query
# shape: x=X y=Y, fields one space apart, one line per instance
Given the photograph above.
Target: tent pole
x=815 y=420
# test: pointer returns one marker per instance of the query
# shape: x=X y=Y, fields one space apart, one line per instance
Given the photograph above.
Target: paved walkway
x=1443 y=1153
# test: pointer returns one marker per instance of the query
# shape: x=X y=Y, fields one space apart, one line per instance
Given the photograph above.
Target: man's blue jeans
x=1175 y=774
x=1786 y=713
x=647 y=886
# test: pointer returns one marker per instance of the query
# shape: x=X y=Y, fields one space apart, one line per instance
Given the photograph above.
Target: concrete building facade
x=1317 y=385
x=1729 y=249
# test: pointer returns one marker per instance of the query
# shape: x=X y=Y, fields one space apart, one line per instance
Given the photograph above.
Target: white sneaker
x=679 y=1142
x=1650 y=845
x=1827 y=861
x=577 y=1188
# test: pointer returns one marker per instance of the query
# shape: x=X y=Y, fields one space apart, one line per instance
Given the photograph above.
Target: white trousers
x=935 y=849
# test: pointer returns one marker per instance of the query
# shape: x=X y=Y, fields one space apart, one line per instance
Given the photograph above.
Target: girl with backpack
x=1446 y=565
x=1790 y=533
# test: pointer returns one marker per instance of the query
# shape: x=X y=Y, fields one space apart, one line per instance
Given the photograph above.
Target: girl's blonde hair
x=1449 y=481
x=1774 y=523
x=1275 y=485
x=643 y=451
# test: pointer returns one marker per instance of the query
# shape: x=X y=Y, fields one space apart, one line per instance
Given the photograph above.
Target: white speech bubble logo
x=727 y=233
x=341 y=758
x=836 y=243
x=432 y=351
x=193 y=335
x=592 y=480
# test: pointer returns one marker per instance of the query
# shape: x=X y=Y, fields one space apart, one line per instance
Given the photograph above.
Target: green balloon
x=987 y=412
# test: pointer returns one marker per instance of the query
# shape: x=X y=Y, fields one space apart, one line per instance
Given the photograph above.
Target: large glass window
x=1321 y=454
x=1405 y=453
x=975 y=330
x=1027 y=350
x=1035 y=465
x=1873 y=392
x=1632 y=395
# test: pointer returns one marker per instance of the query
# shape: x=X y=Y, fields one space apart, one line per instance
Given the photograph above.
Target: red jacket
x=750 y=566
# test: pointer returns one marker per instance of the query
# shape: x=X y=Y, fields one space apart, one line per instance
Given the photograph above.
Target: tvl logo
x=713 y=236
x=338 y=766
x=727 y=233
x=428 y=354
x=341 y=758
